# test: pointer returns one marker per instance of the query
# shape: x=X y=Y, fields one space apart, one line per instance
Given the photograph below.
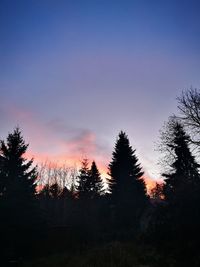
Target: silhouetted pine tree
x=2 y=179
x=185 y=175
x=90 y=184
x=18 y=176
x=178 y=221
x=128 y=191
x=97 y=186
x=182 y=188
x=83 y=181
x=19 y=213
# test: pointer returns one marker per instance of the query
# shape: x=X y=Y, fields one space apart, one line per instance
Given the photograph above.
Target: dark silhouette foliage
x=177 y=222
x=18 y=205
x=18 y=179
x=157 y=192
x=128 y=192
x=80 y=214
x=89 y=182
x=83 y=181
x=185 y=173
x=97 y=186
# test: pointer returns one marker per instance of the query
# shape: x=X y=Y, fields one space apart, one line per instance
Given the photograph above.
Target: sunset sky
x=74 y=73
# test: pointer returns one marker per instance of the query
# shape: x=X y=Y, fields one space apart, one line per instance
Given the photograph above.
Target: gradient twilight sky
x=73 y=73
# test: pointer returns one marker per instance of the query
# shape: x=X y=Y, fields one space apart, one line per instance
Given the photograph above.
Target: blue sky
x=75 y=73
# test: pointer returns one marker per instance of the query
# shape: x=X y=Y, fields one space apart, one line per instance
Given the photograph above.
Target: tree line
x=82 y=213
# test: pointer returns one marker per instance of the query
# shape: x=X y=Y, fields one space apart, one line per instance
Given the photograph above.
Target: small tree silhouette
x=97 y=186
x=83 y=181
x=90 y=184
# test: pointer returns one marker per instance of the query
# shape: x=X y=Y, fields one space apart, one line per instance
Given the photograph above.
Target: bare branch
x=189 y=107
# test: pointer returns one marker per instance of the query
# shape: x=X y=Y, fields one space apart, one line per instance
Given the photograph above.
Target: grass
x=111 y=255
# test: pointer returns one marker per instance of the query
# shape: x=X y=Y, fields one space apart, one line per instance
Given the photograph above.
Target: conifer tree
x=84 y=185
x=17 y=175
x=90 y=184
x=17 y=198
x=128 y=191
x=184 y=175
x=97 y=186
x=177 y=223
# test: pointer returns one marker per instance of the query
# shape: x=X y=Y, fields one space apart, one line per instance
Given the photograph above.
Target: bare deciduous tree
x=189 y=117
x=163 y=146
x=189 y=107
x=51 y=173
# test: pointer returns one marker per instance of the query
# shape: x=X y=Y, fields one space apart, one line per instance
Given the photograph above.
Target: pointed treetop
x=97 y=185
x=124 y=169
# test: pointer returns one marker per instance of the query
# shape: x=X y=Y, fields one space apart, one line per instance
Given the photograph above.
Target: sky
x=74 y=73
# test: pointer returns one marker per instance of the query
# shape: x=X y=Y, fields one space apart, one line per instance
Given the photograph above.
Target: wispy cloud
x=57 y=142
x=54 y=140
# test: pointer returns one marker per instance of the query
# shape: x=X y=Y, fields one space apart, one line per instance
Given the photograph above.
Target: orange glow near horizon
x=150 y=183
x=74 y=161
x=69 y=146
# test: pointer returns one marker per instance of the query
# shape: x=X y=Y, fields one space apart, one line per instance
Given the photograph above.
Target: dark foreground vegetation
x=79 y=223
x=116 y=254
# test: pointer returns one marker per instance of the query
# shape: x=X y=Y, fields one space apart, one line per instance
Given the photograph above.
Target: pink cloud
x=56 y=142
